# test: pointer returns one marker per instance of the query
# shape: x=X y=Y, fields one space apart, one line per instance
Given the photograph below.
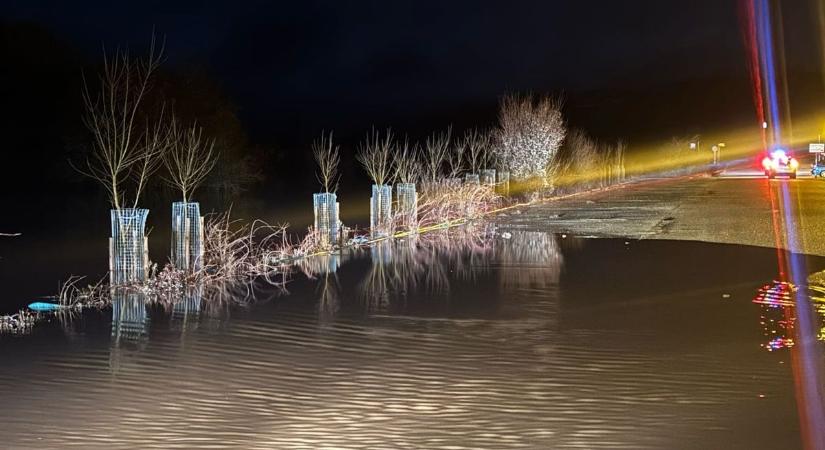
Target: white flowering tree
x=530 y=133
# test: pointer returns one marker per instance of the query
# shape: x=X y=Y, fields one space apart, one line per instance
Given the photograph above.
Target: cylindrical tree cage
x=327 y=224
x=128 y=246
x=187 y=236
x=488 y=177
x=407 y=201
x=503 y=182
x=129 y=319
x=380 y=209
x=471 y=178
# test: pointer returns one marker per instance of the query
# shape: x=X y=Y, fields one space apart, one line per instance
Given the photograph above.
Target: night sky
x=292 y=67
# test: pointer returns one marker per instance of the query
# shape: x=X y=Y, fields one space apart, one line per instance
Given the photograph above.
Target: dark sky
x=296 y=67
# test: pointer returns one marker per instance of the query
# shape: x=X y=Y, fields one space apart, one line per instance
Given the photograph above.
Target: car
x=779 y=162
x=818 y=170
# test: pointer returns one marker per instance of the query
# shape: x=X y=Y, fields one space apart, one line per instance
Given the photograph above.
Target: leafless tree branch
x=436 y=149
x=190 y=158
x=122 y=149
x=327 y=156
x=375 y=154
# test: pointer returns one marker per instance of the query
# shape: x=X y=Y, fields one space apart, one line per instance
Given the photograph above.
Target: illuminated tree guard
x=488 y=177
x=380 y=209
x=327 y=224
x=503 y=182
x=128 y=246
x=471 y=178
x=407 y=201
x=187 y=236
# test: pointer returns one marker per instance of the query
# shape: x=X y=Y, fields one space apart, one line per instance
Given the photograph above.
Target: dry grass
x=444 y=202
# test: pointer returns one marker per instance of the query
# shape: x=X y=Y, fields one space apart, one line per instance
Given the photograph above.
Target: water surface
x=529 y=342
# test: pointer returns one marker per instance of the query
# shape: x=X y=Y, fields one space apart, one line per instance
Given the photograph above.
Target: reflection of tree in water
x=375 y=288
x=431 y=261
x=186 y=311
x=529 y=259
x=130 y=323
x=324 y=268
x=319 y=265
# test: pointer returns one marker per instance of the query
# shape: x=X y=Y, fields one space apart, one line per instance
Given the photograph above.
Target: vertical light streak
x=752 y=48
x=765 y=40
x=785 y=202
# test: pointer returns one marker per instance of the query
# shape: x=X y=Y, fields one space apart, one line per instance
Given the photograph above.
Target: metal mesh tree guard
x=187 y=236
x=488 y=177
x=471 y=178
x=327 y=225
x=128 y=246
x=129 y=319
x=380 y=209
x=504 y=182
x=407 y=201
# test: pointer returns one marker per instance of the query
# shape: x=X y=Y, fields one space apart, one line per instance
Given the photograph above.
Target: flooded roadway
x=739 y=207
x=521 y=340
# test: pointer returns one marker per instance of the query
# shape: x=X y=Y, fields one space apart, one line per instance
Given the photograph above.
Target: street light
x=716 y=149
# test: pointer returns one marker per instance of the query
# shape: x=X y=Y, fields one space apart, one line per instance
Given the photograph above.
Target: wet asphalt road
x=738 y=207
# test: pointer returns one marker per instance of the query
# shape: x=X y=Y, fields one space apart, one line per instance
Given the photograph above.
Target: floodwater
x=520 y=340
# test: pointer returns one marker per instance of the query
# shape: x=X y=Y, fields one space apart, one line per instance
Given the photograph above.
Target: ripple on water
x=508 y=355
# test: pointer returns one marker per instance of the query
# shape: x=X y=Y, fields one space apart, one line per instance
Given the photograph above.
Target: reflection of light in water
x=778 y=315
x=776 y=318
x=817 y=297
x=778 y=312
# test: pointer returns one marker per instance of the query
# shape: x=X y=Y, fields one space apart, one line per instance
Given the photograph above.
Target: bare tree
x=327 y=156
x=478 y=149
x=456 y=158
x=530 y=133
x=190 y=158
x=405 y=163
x=123 y=149
x=436 y=149
x=375 y=154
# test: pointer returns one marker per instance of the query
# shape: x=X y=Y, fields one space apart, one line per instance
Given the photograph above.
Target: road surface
x=739 y=207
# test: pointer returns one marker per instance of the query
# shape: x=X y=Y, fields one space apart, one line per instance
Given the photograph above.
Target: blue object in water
x=44 y=306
